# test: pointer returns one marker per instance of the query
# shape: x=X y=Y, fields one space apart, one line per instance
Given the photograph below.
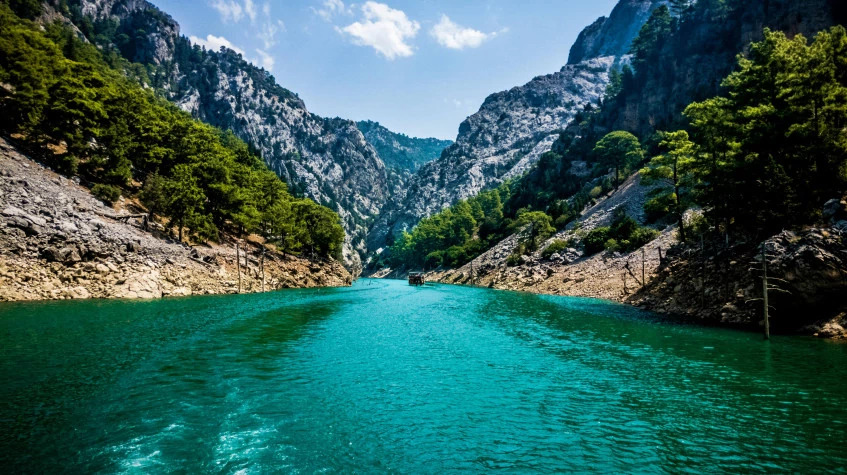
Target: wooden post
x=765 y=291
x=238 y=265
x=661 y=259
x=643 y=282
x=263 y=267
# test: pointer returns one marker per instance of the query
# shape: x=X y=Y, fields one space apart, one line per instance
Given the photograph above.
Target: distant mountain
x=513 y=128
x=399 y=151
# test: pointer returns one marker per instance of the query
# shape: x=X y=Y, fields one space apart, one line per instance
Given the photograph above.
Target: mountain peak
x=612 y=36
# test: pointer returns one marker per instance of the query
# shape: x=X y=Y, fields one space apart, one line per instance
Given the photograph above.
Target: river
x=384 y=377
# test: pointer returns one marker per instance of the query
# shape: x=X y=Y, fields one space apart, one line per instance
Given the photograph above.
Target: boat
x=416 y=278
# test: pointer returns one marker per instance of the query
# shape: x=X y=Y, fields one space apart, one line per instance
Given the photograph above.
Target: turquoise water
x=383 y=377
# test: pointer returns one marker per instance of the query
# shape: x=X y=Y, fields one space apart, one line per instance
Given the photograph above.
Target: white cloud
x=331 y=8
x=265 y=60
x=214 y=43
x=250 y=9
x=269 y=31
x=229 y=10
x=383 y=28
x=453 y=36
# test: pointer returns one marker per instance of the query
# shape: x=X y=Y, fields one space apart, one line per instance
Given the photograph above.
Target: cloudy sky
x=418 y=67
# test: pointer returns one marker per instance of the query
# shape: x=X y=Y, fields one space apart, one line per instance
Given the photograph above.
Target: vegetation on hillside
x=66 y=101
x=764 y=155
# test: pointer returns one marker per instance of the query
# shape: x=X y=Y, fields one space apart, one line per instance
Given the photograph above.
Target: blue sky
x=418 y=67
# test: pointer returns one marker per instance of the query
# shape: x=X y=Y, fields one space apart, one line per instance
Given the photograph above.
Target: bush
x=595 y=192
x=557 y=246
x=595 y=241
x=641 y=237
x=513 y=259
x=624 y=235
x=108 y=194
x=658 y=207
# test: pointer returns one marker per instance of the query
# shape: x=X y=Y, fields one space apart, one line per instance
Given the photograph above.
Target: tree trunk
x=679 y=211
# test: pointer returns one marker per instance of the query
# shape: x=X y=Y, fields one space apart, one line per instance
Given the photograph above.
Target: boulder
x=835 y=210
x=65 y=255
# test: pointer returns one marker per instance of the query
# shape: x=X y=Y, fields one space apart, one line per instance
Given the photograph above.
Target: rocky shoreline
x=709 y=286
x=58 y=242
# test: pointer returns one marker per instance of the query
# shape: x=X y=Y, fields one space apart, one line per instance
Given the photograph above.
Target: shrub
x=108 y=194
x=595 y=241
x=641 y=237
x=658 y=207
x=611 y=245
x=557 y=246
x=595 y=192
x=513 y=259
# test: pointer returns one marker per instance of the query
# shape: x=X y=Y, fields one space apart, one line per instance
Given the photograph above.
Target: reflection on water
x=387 y=377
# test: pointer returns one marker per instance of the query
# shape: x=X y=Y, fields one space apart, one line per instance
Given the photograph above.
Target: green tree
x=674 y=169
x=537 y=226
x=619 y=150
x=185 y=198
x=651 y=37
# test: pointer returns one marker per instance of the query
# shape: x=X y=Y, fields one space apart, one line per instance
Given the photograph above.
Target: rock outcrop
x=59 y=242
x=808 y=271
x=612 y=36
x=402 y=155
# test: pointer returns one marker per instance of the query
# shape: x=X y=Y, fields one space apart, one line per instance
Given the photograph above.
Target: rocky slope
x=58 y=242
x=612 y=276
x=402 y=155
x=328 y=160
x=513 y=128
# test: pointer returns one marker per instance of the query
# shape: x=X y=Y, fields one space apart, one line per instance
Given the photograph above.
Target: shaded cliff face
x=612 y=36
x=696 y=58
x=399 y=151
x=328 y=160
x=513 y=128
x=402 y=155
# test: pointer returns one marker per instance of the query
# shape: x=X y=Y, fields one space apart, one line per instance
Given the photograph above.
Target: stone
x=67 y=254
x=835 y=210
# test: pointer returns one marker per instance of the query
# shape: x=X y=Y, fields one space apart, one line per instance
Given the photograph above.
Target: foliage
x=619 y=150
x=455 y=235
x=556 y=246
x=624 y=234
x=674 y=170
x=535 y=227
x=28 y=9
x=87 y=119
x=106 y=193
x=646 y=46
x=774 y=149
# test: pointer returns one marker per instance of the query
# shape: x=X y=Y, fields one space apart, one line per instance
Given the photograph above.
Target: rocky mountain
x=513 y=128
x=326 y=159
x=399 y=151
x=703 y=51
x=402 y=155
x=612 y=35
